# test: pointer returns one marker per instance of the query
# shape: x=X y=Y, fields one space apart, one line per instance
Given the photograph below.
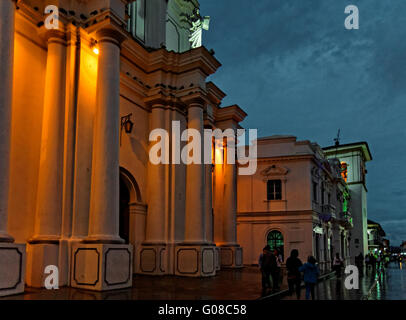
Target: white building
x=354 y=157
x=296 y=200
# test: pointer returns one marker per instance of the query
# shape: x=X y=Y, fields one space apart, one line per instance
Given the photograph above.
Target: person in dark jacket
x=293 y=264
x=267 y=263
x=311 y=275
x=338 y=265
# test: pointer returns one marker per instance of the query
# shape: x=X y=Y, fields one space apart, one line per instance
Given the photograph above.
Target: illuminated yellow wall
x=28 y=91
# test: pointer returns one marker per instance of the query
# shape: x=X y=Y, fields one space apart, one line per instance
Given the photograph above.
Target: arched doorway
x=275 y=241
x=129 y=195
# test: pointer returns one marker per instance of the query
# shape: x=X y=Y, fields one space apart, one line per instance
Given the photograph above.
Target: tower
x=353 y=158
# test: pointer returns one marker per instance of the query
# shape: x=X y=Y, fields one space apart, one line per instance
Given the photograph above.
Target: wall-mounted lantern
x=126 y=124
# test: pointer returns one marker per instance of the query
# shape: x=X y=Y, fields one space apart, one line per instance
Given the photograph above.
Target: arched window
x=275 y=241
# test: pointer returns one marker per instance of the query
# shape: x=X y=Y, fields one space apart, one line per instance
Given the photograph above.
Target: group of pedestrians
x=270 y=267
x=376 y=261
x=270 y=263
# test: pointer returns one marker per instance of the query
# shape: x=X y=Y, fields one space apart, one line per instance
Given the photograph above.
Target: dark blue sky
x=295 y=69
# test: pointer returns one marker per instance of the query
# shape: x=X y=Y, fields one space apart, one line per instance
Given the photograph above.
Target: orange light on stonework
x=344 y=170
x=94 y=47
x=219 y=152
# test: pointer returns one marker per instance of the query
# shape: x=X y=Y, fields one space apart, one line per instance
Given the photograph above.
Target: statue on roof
x=199 y=24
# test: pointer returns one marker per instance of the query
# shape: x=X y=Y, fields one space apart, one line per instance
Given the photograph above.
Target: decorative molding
x=197 y=260
x=98 y=266
x=19 y=270
x=275 y=170
x=105 y=266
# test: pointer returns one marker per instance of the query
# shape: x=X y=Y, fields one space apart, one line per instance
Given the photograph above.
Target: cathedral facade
x=78 y=104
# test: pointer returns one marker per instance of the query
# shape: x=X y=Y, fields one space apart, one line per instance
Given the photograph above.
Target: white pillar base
x=151 y=260
x=231 y=256
x=195 y=260
x=39 y=256
x=102 y=267
x=12 y=269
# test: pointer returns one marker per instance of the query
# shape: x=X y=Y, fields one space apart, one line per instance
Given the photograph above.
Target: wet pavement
x=391 y=284
x=388 y=285
x=242 y=284
x=333 y=288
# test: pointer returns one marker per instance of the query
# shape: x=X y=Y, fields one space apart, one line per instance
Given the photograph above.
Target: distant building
x=296 y=200
x=375 y=236
x=353 y=158
x=403 y=246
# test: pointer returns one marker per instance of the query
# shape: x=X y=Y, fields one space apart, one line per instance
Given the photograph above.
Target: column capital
x=195 y=99
x=53 y=35
x=110 y=34
x=162 y=101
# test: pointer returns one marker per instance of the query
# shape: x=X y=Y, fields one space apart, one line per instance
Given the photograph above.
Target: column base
x=231 y=256
x=39 y=256
x=101 y=267
x=152 y=259
x=195 y=260
x=12 y=268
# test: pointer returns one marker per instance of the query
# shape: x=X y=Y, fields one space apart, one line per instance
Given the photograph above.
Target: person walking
x=360 y=264
x=311 y=275
x=266 y=263
x=379 y=262
x=338 y=265
x=367 y=262
x=293 y=264
x=372 y=260
x=276 y=272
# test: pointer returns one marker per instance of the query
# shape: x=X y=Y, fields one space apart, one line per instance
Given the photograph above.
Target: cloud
x=295 y=69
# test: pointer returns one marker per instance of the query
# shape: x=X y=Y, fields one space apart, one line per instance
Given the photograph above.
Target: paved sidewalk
x=241 y=284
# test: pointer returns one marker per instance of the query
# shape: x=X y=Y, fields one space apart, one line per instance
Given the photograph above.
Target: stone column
x=43 y=247
x=155 y=229
x=49 y=194
x=209 y=202
x=104 y=199
x=230 y=204
x=152 y=254
x=12 y=256
x=231 y=252
x=195 y=191
x=102 y=261
x=6 y=91
x=195 y=257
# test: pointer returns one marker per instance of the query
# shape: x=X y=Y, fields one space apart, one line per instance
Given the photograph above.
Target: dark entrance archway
x=124 y=211
x=129 y=195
